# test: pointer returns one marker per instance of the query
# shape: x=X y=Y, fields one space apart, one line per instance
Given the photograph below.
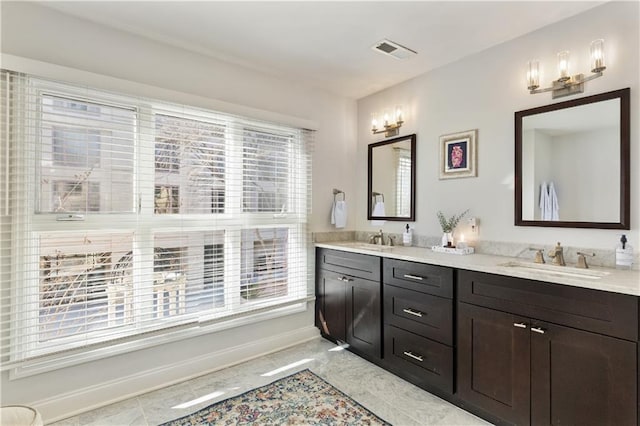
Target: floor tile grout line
x=144 y=413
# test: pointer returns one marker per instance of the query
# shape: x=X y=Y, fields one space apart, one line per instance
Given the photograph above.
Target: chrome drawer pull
x=416 y=357
x=345 y=279
x=412 y=312
x=520 y=325
x=537 y=330
x=413 y=277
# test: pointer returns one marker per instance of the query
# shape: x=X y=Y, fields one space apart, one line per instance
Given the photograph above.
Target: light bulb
x=597 y=55
x=533 y=75
x=563 y=65
x=399 y=115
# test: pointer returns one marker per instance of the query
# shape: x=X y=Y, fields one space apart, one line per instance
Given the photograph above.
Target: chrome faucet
x=377 y=238
x=557 y=255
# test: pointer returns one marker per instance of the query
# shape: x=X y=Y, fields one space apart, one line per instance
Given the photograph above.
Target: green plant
x=448 y=225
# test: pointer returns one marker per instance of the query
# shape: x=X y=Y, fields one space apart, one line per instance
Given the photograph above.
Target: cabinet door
x=364 y=322
x=493 y=362
x=581 y=378
x=330 y=305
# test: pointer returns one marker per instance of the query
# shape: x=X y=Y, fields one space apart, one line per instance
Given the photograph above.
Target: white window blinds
x=124 y=216
x=403 y=182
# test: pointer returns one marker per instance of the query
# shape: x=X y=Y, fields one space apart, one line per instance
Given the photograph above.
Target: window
x=265 y=169
x=75 y=147
x=189 y=163
x=128 y=217
x=86 y=155
x=403 y=182
x=77 y=276
x=264 y=263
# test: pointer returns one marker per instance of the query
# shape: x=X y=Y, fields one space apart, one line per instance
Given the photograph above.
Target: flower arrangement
x=448 y=225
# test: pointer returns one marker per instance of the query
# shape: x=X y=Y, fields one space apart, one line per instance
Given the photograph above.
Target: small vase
x=447 y=239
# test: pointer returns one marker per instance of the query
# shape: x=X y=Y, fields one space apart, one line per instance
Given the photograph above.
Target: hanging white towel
x=333 y=213
x=378 y=210
x=545 y=205
x=339 y=214
x=554 y=207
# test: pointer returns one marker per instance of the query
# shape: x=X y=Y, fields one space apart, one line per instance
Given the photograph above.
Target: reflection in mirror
x=572 y=163
x=391 y=186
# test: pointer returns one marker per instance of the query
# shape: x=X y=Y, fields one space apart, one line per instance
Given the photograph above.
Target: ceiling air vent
x=391 y=48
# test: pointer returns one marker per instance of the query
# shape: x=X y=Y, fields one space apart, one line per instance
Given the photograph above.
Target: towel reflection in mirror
x=549 y=207
x=378 y=209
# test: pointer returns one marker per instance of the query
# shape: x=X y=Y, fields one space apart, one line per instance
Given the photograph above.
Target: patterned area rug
x=300 y=399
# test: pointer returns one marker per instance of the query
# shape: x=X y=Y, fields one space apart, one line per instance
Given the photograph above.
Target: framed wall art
x=458 y=155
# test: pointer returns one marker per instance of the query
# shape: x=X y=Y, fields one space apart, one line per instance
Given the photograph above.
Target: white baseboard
x=89 y=398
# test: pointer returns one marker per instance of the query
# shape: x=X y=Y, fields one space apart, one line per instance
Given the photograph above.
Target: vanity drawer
x=437 y=280
x=603 y=312
x=344 y=262
x=420 y=313
x=419 y=360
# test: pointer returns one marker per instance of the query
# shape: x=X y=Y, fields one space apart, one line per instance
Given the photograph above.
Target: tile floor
x=391 y=398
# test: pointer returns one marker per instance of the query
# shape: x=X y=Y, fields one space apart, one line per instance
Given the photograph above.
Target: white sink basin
x=365 y=246
x=564 y=271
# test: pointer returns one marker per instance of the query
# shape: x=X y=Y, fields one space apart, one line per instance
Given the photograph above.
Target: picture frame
x=458 y=157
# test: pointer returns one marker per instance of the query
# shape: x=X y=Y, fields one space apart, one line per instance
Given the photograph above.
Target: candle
x=461 y=244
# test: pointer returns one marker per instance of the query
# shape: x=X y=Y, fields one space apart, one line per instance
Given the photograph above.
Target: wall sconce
x=389 y=129
x=567 y=84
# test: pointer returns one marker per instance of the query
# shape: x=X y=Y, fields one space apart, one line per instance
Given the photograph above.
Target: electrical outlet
x=473 y=224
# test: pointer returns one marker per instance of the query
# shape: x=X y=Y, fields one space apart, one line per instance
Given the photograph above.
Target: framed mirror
x=572 y=163
x=392 y=179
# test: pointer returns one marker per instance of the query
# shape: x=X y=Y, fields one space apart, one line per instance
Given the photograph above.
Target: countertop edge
x=616 y=281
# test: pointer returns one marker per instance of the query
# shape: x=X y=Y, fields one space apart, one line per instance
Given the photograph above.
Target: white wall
x=118 y=61
x=483 y=92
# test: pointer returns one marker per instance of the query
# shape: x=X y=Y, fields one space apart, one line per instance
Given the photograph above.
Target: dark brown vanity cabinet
x=544 y=354
x=331 y=305
x=349 y=301
x=418 y=323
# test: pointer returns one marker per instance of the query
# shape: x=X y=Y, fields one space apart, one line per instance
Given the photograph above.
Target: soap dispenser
x=407 y=236
x=624 y=254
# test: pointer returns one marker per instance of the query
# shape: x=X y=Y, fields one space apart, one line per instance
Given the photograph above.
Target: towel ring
x=377 y=194
x=337 y=192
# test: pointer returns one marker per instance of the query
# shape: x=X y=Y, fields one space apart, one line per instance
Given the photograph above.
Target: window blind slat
x=124 y=216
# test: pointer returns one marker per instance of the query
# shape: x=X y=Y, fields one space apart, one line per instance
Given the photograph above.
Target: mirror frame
x=412 y=215
x=625 y=206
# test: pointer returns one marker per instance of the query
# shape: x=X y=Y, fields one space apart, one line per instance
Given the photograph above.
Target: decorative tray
x=452 y=250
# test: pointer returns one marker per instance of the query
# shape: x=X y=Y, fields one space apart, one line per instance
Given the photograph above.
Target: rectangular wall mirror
x=572 y=163
x=392 y=179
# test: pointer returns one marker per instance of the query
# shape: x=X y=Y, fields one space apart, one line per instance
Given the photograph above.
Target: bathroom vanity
x=511 y=341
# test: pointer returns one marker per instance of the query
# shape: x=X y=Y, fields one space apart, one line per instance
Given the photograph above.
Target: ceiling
x=328 y=44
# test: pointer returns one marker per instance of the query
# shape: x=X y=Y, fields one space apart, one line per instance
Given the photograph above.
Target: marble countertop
x=598 y=278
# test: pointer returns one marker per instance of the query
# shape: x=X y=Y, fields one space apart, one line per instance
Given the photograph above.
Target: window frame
x=231 y=222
